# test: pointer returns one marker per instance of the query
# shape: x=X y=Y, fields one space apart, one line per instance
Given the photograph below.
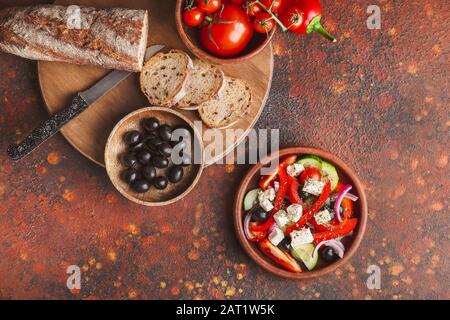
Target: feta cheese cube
x=323 y=217
x=276 y=236
x=294 y=212
x=281 y=218
x=301 y=236
x=314 y=186
x=268 y=194
x=266 y=205
x=295 y=169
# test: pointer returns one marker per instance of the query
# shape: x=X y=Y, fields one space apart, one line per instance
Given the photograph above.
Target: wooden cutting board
x=89 y=132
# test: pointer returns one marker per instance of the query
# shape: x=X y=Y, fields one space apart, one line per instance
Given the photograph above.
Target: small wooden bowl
x=190 y=37
x=346 y=175
x=115 y=146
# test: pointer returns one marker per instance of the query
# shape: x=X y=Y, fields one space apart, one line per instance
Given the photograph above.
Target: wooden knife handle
x=47 y=129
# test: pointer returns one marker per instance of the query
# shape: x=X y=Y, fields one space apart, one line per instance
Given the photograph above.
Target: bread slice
x=232 y=103
x=205 y=82
x=164 y=77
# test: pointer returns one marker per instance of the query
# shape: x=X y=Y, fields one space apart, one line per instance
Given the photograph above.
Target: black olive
x=328 y=254
x=132 y=137
x=160 y=162
x=165 y=149
x=175 y=174
x=286 y=244
x=165 y=132
x=259 y=215
x=141 y=185
x=144 y=156
x=154 y=143
x=150 y=124
x=149 y=136
x=160 y=183
x=148 y=172
x=137 y=147
x=129 y=159
x=130 y=175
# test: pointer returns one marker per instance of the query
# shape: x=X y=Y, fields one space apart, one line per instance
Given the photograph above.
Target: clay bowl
x=115 y=146
x=190 y=37
x=346 y=175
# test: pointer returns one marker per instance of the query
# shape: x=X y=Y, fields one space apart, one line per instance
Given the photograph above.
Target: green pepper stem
x=320 y=29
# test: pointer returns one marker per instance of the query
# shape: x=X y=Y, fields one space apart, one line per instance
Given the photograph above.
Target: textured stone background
x=377 y=99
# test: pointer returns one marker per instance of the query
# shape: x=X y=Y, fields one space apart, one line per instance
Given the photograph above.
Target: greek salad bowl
x=303 y=216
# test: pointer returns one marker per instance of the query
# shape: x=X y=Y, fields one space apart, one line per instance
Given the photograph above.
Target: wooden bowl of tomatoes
x=332 y=243
x=226 y=31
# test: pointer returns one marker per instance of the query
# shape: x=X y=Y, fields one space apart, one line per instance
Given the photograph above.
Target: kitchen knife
x=80 y=102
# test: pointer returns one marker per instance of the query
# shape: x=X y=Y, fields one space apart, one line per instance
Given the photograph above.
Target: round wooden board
x=89 y=132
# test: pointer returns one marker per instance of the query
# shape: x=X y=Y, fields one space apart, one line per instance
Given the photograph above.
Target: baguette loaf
x=111 y=38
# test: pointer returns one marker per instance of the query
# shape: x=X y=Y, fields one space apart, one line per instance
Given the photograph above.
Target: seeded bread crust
x=229 y=107
x=205 y=82
x=113 y=38
x=164 y=77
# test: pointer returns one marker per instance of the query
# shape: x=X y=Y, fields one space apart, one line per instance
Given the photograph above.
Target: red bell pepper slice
x=293 y=195
x=281 y=194
x=266 y=180
x=309 y=213
x=279 y=256
x=339 y=230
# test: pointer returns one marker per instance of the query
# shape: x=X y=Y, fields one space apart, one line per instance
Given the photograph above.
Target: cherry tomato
x=346 y=204
x=193 y=17
x=263 y=23
x=209 y=6
x=252 y=8
x=311 y=173
x=272 y=5
x=238 y=2
x=292 y=18
x=228 y=32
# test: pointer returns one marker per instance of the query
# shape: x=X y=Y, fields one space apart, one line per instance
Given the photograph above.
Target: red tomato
x=238 y=2
x=263 y=23
x=209 y=6
x=346 y=204
x=292 y=18
x=272 y=5
x=228 y=32
x=252 y=8
x=193 y=17
x=311 y=173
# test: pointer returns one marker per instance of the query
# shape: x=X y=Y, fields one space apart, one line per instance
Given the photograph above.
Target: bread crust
x=180 y=89
x=110 y=38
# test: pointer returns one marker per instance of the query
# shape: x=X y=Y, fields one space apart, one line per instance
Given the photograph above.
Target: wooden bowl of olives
x=154 y=156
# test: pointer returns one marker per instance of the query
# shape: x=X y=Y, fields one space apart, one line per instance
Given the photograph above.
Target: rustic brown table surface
x=379 y=99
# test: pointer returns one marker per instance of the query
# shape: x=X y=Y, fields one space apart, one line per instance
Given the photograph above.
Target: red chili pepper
x=279 y=256
x=308 y=214
x=311 y=14
x=284 y=185
x=266 y=180
x=339 y=230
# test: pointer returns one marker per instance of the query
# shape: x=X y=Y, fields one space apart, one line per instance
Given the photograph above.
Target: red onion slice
x=337 y=246
x=351 y=197
x=338 y=202
x=247 y=232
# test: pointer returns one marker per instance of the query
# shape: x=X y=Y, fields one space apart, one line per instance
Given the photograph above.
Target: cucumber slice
x=329 y=172
x=304 y=253
x=311 y=161
x=250 y=199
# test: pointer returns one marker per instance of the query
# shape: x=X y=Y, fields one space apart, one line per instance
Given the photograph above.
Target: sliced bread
x=229 y=106
x=164 y=77
x=205 y=82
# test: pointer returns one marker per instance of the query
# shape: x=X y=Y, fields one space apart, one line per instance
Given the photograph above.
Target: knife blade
x=80 y=102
